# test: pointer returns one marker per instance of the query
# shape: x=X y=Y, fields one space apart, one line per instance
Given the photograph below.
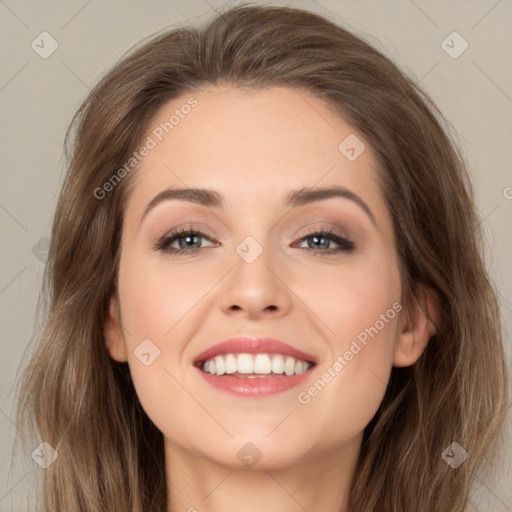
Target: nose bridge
x=254 y=285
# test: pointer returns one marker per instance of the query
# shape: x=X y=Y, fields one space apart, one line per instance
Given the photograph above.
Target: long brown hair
x=80 y=401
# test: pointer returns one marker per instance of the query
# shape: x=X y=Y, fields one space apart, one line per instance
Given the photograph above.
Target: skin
x=253 y=146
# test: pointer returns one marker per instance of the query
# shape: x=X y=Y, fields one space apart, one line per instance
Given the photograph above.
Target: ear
x=113 y=333
x=417 y=325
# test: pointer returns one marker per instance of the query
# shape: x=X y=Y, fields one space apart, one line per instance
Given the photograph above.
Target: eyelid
x=305 y=231
x=189 y=226
x=345 y=243
x=329 y=228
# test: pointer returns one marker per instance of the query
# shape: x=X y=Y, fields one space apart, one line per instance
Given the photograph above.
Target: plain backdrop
x=38 y=97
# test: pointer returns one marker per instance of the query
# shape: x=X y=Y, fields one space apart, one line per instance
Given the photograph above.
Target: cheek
x=352 y=297
x=359 y=309
x=351 y=382
x=154 y=299
x=166 y=307
x=155 y=305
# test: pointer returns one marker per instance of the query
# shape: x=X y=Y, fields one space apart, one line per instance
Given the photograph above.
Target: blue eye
x=323 y=239
x=187 y=241
x=319 y=242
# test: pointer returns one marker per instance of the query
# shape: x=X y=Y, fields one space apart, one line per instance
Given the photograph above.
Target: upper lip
x=248 y=345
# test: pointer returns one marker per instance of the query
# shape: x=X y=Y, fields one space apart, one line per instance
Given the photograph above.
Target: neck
x=315 y=482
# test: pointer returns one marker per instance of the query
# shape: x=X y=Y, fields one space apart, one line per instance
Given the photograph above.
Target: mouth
x=250 y=367
x=254 y=365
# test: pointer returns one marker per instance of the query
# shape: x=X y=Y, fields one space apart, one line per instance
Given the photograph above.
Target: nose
x=256 y=289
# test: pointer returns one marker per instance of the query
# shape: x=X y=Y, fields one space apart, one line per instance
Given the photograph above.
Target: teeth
x=262 y=364
x=289 y=366
x=256 y=364
x=278 y=364
x=219 y=365
x=300 y=367
x=245 y=363
x=229 y=363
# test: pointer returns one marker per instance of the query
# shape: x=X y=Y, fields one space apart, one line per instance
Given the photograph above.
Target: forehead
x=253 y=145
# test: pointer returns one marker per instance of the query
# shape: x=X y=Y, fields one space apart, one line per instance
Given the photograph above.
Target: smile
x=245 y=366
x=255 y=365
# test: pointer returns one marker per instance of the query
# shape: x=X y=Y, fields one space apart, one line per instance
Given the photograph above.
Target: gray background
x=39 y=96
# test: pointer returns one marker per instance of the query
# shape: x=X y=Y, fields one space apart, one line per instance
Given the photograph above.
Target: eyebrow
x=300 y=197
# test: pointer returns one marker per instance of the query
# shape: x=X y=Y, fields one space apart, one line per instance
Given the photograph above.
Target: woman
x=266 y=285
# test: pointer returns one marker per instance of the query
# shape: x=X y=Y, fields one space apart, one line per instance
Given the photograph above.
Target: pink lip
x=245 y=345
x=257 y=386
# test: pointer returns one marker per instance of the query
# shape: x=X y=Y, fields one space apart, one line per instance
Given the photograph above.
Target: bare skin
x=253 y=147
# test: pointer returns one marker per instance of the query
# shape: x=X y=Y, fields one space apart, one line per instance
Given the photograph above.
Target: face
x=257 y=258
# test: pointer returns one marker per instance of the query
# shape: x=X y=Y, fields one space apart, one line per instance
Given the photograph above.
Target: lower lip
x=256 y=386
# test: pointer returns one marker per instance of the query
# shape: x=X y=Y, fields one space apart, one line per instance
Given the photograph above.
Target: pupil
x=189 y=240
x=317 y=238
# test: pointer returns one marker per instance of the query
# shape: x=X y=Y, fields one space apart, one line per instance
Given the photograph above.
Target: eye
x=320 y=242
x=188 y=241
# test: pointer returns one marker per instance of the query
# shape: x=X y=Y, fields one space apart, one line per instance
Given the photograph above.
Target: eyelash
x=345 y=245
